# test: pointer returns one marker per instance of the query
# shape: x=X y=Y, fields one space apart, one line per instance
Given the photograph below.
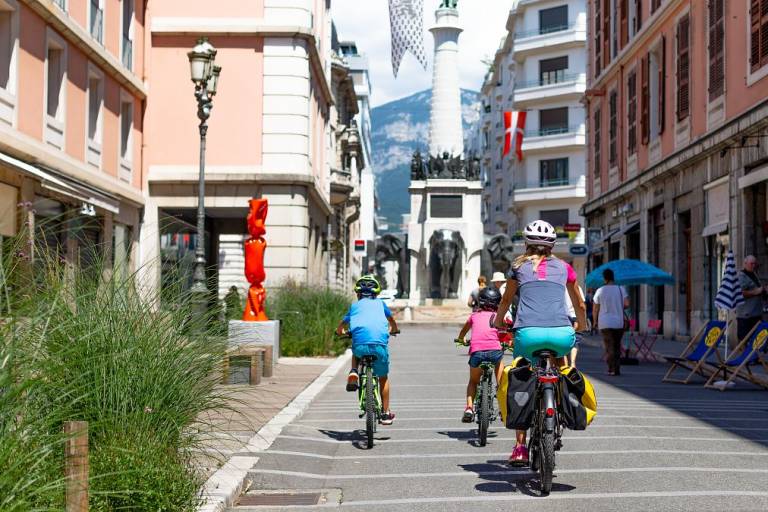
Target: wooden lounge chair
x=752 y=352
x=695 y=358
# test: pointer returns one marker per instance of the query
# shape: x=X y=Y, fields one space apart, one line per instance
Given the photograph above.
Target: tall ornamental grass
x=308 y=317
x=98 y=350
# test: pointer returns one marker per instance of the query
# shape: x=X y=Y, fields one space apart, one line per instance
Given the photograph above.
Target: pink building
x=71 y=97
x=271 y=134
x=677 y=112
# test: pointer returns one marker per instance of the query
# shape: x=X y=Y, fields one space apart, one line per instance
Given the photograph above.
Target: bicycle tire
x=484 y=412
x=547 y=453
x=370 y=407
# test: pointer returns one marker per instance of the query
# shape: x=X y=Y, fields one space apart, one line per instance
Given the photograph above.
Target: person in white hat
x=499 y=281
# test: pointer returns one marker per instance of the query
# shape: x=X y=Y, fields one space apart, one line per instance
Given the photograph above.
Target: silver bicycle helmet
x=541 y=233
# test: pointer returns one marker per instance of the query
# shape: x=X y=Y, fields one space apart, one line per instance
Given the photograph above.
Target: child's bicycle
x=369 y=394
x=484 y=409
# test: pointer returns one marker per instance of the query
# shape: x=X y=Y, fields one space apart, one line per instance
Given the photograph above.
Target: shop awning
x=607 y=238
x=630 y=228
x=714 y=229
x=65 y=186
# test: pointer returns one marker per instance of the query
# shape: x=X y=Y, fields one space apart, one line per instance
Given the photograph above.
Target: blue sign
x=578 y=250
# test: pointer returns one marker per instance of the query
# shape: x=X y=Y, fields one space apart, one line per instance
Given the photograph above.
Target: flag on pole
x=406 y=20
x=729 y=296
x=514 y=128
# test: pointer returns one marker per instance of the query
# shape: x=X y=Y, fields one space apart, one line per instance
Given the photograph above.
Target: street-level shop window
x=553 y=172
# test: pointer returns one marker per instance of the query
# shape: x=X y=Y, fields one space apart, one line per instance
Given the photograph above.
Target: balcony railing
x=546 y=30
x=560 y=130
x=550 y=78
x=551 y=182
x=97 y=21
x=127 y=52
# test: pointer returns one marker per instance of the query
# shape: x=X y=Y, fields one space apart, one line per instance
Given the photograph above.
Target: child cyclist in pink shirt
x=484 y=346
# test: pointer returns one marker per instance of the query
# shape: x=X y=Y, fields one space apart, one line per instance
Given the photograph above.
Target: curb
x=227 y=483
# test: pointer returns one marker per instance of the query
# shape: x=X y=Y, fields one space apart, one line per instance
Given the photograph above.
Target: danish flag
x=514 y=128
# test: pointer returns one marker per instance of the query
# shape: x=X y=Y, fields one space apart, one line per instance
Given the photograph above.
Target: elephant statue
x=394 y=248
x=498 y=254
x=446 y=248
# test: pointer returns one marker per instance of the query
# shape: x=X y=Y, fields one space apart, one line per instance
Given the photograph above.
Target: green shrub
x=308 y=317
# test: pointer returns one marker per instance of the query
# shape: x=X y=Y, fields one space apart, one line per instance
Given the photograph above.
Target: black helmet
x=489 y=298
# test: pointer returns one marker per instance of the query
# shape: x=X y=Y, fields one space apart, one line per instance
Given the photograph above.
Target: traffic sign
x=572 y=228
x=359 y=245
x=578 y=250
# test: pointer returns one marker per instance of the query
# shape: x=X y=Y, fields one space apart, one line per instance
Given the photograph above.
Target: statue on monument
x=446 y=248
x=417 y=167
x=449 y=4
x=456 y=166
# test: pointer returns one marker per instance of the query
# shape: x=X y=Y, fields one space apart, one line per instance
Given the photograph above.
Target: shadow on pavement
x=470 y=436
x=357 y=438
x=741 y=411
x=501 y=478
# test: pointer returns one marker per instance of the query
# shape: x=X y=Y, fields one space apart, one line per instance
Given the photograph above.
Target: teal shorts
x=532 y=339
x=381 y=352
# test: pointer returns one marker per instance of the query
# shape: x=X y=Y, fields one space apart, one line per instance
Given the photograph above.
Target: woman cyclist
x=541 y=280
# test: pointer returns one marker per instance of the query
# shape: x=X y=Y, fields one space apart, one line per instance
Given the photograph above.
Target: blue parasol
x=630 y=272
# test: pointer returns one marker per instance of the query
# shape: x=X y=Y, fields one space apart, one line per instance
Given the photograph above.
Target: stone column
x=445 y=127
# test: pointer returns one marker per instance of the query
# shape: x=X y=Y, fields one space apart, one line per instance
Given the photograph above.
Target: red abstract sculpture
x=254 y=262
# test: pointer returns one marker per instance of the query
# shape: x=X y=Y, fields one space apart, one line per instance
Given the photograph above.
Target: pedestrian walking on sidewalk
x=608 y=309
x=750 y=312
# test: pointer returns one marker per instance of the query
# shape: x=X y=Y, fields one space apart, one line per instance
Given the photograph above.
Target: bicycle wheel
x=484 y=412
x=370 y=406
x=547 y=462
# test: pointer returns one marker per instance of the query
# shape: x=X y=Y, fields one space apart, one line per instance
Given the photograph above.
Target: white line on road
x=565 y=438
x=508 y=472
x=750 y=419
x=455 y=429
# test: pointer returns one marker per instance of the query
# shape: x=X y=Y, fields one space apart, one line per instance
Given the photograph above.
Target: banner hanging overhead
x=406 y=19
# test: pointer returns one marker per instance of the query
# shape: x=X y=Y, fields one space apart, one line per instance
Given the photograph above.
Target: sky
x=367 y=23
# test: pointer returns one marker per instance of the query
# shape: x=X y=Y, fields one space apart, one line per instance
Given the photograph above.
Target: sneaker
x=387 y=418
x=519 y=456
x=352 y=380
x=469 y=415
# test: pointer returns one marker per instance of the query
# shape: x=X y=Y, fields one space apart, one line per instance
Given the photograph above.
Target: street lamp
x=205 y=75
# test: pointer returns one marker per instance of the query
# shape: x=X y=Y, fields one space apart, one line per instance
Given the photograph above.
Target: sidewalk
x=252 y=407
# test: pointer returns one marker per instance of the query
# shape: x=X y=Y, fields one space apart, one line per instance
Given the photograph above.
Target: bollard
x=256 y=362
x=76 y=465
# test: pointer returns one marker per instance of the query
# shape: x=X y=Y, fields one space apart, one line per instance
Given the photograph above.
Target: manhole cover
x=277 y=499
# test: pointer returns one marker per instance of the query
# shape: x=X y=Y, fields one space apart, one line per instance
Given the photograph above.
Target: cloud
x=367 y=23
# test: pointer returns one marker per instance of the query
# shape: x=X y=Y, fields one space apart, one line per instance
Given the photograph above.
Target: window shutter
x=596 y=146
x=632 y=113
x=645 y=129
x=663 y=85
x=758 y=34
x=655 y=5
x=683 y=67
x=606 y=33
x=764 y=32
x=716 y=49
x=624 y=35
x=638 y=15
x=612 y=129
x=598 y=40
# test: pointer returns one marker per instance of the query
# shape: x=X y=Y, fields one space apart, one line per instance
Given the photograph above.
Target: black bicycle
x=546 y=429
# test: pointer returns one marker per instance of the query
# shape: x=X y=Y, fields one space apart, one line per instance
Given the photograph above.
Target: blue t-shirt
x=367 y=319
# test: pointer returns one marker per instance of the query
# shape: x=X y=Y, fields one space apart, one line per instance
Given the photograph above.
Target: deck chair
x=695 y=358
x=644 y=344
x=751 y=352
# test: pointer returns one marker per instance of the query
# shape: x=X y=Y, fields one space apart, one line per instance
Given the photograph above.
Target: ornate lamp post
x=205 y=76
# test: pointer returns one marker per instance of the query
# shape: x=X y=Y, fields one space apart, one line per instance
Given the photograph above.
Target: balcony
x=342 y=185
x=551 y=190
x=560 y=86
x=554 y=138
x=542 y=40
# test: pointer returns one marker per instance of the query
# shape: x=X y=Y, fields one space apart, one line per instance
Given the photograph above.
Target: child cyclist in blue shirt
x=370 y=323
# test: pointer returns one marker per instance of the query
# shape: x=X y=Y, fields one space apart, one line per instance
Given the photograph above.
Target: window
x=62 y=4
x=553 y=173
x=661 y=85
x=758 y=51
x=645 y=100
x=596 y=145
x=55 y=70
x=624 y=24
x=684 y=67
x=97 y=20
x=9 y=37
x=598 y=44
x=126 y=136
x=552 y=71
x=553 y=20
x=95 y=115
x=614 y=29
x=557 y=218
x=635 y=17
x=716 y=49
x=553 y=121
x=127 y=39
x=607 y=18
x=612 y=128
x=632 y=113
x=655 y=4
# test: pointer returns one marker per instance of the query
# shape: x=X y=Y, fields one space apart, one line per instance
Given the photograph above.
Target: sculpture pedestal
x=263 y=333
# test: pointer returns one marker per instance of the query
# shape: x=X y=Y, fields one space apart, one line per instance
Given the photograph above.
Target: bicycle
x=484 y=410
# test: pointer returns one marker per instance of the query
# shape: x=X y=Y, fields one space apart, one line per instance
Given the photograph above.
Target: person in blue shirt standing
x=369 y=321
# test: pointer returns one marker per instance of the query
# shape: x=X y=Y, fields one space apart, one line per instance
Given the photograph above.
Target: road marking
x=485 y=455
x=557 y=496
x=565 y=438
x=508 y=472
x=599 y=417
x=455 y=429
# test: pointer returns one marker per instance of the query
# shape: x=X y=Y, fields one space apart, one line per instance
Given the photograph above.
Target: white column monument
x=445 y=188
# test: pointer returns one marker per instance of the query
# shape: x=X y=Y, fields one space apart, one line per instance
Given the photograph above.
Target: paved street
x=653 y=446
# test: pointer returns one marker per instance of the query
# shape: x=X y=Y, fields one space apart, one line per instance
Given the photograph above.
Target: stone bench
x=260 y=361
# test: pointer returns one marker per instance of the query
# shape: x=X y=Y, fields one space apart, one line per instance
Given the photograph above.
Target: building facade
x=278 y=130
x=71 y=127
x=676 y=107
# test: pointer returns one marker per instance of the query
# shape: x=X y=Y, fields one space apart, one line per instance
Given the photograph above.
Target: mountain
x=399 y=128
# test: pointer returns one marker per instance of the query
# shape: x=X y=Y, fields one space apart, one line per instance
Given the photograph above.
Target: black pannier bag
x=572 y=388
x=521 y=389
